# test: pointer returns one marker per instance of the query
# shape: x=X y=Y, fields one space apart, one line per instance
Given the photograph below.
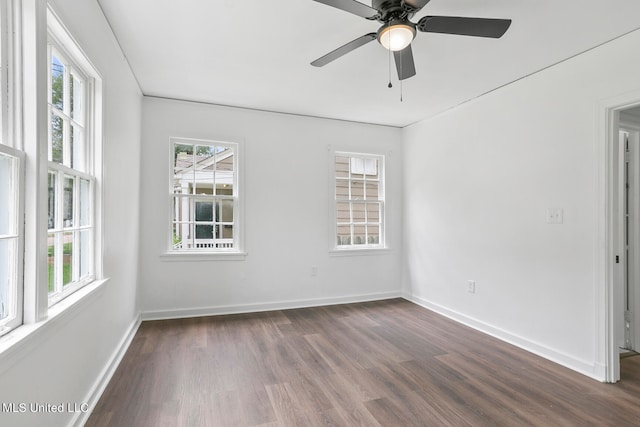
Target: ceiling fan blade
x=478 y=27
x=343 y=50
x=352 y=6
x=415 y=5
x=404 y=63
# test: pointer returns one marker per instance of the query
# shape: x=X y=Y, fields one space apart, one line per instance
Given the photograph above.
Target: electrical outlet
x=554 y=216
x=471 y=286
x=314 y=270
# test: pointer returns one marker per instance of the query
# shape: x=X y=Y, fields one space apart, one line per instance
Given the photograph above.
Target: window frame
x=11 y=146
x=66 y=49
x=236 y=252
x=352 y=248
x=16 y=262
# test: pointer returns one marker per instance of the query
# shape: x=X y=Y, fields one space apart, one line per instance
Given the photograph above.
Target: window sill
x=359 y=251
x=203 y=256
x=17 y=343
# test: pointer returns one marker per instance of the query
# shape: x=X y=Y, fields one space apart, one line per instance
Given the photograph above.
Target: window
x=359 y=201
x=71 y=181
x=71 y=157
x=11 y=191
x=204 y=196
x=10 y=239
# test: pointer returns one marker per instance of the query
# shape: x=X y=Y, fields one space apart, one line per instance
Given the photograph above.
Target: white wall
x=64 y=360
x=478 y=182
x=286 y=184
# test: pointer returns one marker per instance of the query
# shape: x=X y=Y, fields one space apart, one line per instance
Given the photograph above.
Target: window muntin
x=359 y=201
x=204 y=195
x=70 y=183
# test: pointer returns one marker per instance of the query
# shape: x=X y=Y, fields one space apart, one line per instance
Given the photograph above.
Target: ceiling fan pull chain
x=401 y=61
x=389 y=85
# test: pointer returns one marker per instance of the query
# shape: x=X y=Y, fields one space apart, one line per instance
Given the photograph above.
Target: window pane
x=373 y=212
x=226 y=233
x=183 y=209
x=372 y=188
x=84 y=202
x=342 y=189
x=356 y=166
x=53 y=179
x=51 y=261
x=177 y=235
x=373 y=232
x=357 y=190
x=76 y=98
x=225 y=159
x=70 y=150
x=226 y=210
x=69 y=183
x=224 y=171
x=77 y=146
x=358 y=212
x=205 y=167
x=187 y=235
x=223 y=189
x=204 y=211
x=204 y=231
x=57 y=125
x=67 y=258
x=183 y=169
x=85 y=253
x=7 y=253
x=342 y=167
x=359 y=237
x=7 y=196
x=57 y=83
x=363 y=166
x=344 y=235
x=371 y=169
x=342 y=212
x=183 y=235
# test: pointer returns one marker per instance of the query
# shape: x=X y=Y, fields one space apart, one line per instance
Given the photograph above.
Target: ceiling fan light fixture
x=396 y=35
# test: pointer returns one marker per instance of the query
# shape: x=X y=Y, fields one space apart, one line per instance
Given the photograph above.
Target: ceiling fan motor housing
x=390 y=10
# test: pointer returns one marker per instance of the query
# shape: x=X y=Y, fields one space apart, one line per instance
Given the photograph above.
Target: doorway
x=624 y=306
x=629 y=194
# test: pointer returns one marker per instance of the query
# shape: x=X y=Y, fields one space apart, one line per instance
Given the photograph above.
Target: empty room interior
x=319 y=212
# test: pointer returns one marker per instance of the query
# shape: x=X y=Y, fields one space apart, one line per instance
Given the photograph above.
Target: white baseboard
x=271 y=306
x=593 y=370
x=107 y=372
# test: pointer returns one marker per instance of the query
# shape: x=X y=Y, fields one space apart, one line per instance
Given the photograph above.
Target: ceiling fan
x=397 y=31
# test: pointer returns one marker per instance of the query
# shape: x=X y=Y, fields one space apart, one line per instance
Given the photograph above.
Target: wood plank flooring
x=386 y=363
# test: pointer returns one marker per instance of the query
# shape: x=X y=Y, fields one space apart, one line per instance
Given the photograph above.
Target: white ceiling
x=256 y=53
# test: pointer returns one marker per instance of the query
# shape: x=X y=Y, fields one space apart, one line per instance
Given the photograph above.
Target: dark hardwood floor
x=387 y=363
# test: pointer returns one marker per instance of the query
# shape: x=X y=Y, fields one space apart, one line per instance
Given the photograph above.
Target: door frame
x=609 y=297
